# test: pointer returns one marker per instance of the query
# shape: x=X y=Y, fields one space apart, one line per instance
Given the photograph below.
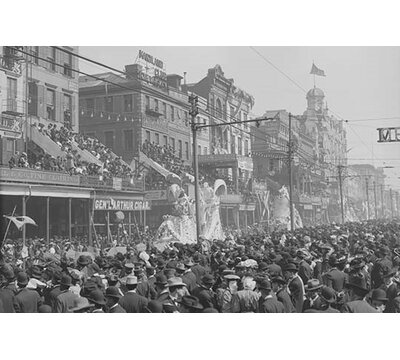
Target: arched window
x=218 y=108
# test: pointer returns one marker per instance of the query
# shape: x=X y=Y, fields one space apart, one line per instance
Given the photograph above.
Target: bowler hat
x=188 y=263
x=112 y=291
x=66 y=280
x=175 y=281
x=207 y=279
x=191 y=302
x=312 y=284
x=161 y=279
x=97 y=297
x=379 y=295
x=264 y=284
x=357 y=282
x=22 y=278
x=328 y=294
x=83 y=260
x=278 y=279
x=290 y=267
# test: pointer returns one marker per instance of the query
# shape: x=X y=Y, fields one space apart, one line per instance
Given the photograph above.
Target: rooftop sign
x=391 y=134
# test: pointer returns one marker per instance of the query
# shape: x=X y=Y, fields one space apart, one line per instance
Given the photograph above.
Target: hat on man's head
x=262 y=266
x=66 y=281
x=161 y=279
x=180 y=267
x=8 y=272
x=131 y=280
x=379 y=295
x=191 y=302
x=36 y=272
x=22 y=278
x=188 y=263
x=129 y=265
x=231 y=277
x=357 y=283
x=328 y=294
x=290 y=267
x=81 y=303
x=113 y=292
x=264 y=284
x=278 y=279
x=83 y=260
x=97 y=297
x=207 y=279
x=175 y=281
x=312 y=285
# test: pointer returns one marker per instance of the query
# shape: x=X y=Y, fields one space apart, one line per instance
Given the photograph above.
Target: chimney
x=174 y=81
x=133 y=70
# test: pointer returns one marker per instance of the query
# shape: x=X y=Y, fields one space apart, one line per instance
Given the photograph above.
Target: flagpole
x=8 y=226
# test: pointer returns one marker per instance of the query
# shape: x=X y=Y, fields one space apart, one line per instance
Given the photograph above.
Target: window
x=10 y=145
x=240 y=146
x=11 y=94
x=33 y=98
x=218 y=108
x=180 y=148
x=147 y=102
x=232 y=112
x=172 y=143
x=271 y=165
x=187 y=150
x=198 y=150
x=66 y=61
x=155 y=105
x=109 y=104
x=172 y=113
x=67 y=107
x=50 y=104
x=51 y=56
x=128 y=103
x=128 y=140
x=165 y=140
x=89 y=104
x=157 y=138
x=164 y=111
x=205 y=151
x=246 y=147
x=109 y=139
x=148 y=135
x=35 y=54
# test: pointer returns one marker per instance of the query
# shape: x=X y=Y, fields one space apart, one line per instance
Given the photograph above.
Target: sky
x=361 y=83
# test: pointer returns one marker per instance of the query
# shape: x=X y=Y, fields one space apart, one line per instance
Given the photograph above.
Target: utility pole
x=194 y=111
x=366 y=188
x=290 y=155
x=397 y=204
x=376 y=207
x=382 y=201
x=340 y=173
x=391 y=201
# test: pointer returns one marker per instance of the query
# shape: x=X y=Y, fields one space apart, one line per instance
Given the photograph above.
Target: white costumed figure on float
x=281 y=211
x=181 y=225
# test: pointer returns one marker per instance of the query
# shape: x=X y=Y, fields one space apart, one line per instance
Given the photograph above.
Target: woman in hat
x=96 y=297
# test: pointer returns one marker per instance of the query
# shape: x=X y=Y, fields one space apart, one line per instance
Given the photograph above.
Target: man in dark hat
x=357 y=294
x=295 y=285
x=161 y=285
x=53 y=290
x=267 y=302
x=65 y=301
x=8 y=289
x=112 y=297
x=154 y=306
x=312 y=290
x=391 y=287
x=26 y=300
x=381 y=266
x=198 y=270
x=190 y=304
x=327 y=298
x=379 y=299
x=278 y=284
x=188 y=276
x=96 y=297
x=204 y=292
x=131 y=301
x=305 y=271
x=336 y=278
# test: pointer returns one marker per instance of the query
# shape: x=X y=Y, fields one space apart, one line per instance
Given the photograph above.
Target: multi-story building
x=319 y=143
x=140 y=107
x=230 y=146
x=39 y=87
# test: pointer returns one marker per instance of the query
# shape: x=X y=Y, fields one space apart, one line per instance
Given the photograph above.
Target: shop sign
x=391 y=134
x=123 y=205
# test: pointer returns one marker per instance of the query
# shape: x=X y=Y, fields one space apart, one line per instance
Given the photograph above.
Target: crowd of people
x=72 y=162
x=352 y=267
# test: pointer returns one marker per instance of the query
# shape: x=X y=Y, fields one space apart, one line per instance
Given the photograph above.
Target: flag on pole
x=316 y=71
x=20 y=221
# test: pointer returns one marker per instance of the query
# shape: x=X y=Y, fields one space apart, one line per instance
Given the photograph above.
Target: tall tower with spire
x=315 y=100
